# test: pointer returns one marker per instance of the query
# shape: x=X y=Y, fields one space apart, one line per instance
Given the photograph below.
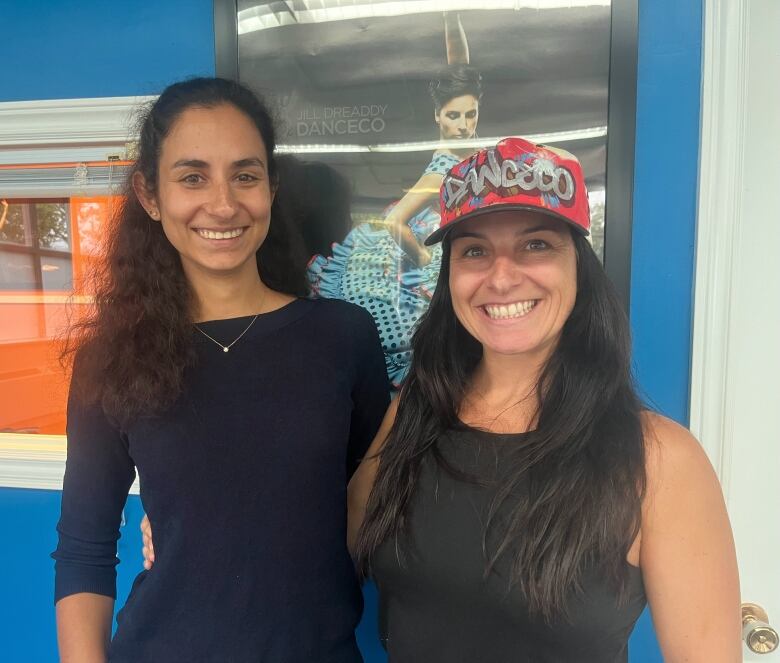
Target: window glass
x=53 y=226
x=44 y=251
x=378 y=99
x=17 y=271
x=15 y=225
x=56 y=273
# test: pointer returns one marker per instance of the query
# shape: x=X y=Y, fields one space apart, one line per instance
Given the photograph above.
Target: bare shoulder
x=671 y=448
x=676 y=464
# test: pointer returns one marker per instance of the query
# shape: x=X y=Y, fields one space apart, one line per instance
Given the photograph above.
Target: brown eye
x=474 y=252
x=537 y=245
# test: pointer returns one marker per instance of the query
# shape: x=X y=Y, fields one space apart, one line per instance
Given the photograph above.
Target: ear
x=147 y=200
x=436 y=116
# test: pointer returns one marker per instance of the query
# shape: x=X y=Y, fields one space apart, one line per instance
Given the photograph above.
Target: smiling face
x=513 y=281
x=213 y=195
x=457 y=119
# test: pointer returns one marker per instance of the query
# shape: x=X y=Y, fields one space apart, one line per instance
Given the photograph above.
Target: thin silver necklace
x=226 y=348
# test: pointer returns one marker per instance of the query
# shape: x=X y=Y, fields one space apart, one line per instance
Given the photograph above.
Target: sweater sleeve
x=98 y=476
x=370 y=392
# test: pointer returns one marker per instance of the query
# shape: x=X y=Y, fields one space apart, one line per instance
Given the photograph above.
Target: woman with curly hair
x=240 y=404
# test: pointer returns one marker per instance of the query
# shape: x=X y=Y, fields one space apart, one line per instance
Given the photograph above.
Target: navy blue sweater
x=244 y=481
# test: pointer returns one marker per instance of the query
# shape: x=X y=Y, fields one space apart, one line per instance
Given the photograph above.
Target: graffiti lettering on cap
x=508 y=177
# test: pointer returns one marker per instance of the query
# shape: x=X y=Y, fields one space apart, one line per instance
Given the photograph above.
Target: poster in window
x=377 y=100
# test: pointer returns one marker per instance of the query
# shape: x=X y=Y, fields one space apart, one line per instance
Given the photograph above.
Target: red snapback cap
x=514 y=174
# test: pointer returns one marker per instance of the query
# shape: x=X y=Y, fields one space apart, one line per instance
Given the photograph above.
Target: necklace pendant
x=225 y=349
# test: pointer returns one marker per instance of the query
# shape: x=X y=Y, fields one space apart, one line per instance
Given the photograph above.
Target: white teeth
x=228 y=234
x=516 y=310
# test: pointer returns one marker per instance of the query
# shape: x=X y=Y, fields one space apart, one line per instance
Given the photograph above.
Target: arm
x=4 y=213
x=84 y=627
x=455 y=39
x=363 y=480
x=423 y=193
x=687 y=551
x=98 y=474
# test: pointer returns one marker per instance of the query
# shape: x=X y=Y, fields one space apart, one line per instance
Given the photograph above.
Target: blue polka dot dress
x=368 y=268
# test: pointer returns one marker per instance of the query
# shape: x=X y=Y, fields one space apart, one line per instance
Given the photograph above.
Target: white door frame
x=735 y=398
x=723 y=111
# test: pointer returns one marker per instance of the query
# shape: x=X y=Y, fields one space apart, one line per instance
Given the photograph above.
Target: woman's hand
x=148 y=549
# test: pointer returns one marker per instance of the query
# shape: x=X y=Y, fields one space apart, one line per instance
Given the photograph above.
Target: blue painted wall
x=29 y=518
x=65 y=49
x=666 y=175
x=91 y=48
x=665 y=186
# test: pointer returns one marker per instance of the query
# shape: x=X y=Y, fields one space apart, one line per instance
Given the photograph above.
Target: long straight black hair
x=582 y=468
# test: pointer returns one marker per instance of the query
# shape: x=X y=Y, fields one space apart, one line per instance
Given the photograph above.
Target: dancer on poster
x=383 y=266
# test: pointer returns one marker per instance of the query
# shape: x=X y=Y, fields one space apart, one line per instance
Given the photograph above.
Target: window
x=45 y=246
x=35 y=245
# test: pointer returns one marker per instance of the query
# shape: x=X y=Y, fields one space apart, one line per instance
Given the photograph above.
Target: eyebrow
x=527 y=231
x=198 y=163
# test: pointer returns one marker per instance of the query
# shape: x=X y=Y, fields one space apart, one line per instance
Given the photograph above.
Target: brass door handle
x=758 y=635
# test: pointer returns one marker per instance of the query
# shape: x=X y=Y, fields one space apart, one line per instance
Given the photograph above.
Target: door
x=735 y=406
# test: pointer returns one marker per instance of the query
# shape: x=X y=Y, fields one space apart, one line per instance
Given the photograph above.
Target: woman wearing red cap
x=521 y=503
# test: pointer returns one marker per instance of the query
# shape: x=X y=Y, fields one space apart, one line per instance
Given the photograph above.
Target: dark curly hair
x=134 y=344
x=453 y=81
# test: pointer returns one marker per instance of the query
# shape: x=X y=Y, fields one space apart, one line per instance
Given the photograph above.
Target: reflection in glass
x=53 y=226
x=15 y=224
x=56 y=273
x=37 y=244
x=17 y=271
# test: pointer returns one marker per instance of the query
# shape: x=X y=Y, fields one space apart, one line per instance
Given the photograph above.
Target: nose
x=504 y=274
x=223 y=203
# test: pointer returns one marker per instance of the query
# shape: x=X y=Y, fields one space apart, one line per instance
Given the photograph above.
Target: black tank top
x=436 y=606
